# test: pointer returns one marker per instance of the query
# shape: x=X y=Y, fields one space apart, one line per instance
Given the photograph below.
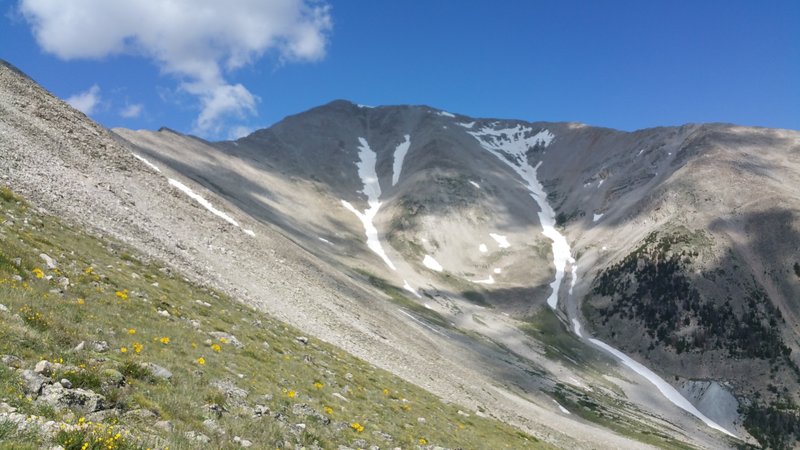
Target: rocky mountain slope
x=413 y=238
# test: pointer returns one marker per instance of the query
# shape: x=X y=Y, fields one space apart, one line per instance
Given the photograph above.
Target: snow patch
x=203 y=202
x=600 y=183
x=563 y=410
x=419 y=322
x=498 y=270
x=445 y=114
x=408 y=287
x=475 y=184
x=250 y=233
x=365 y=106
x=501 y=240
x=325 y=240
x=432 y=264
x=467 y=124
x=148 y=163
x=399 y=155
x=372 y=189
x=596 y=217
x=665 y=388
x=483 y=248
x=576 y=326
x=489 y=280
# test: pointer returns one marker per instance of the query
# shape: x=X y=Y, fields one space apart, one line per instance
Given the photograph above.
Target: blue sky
x=620 y=64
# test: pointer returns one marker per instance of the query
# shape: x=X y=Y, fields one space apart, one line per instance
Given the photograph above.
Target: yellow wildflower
x=423 y=441
x=224 y=340
x=137 y=347
x=357 y=427
x=123 y=294
x=38 y=273
x=201 y=361
x=80 y=301
x=386 y=392
x=328 y=410
x=216 y=348
x=123 y=350
x=131 y=331
x=291 y=394
x=318 y=385
x=164 y=340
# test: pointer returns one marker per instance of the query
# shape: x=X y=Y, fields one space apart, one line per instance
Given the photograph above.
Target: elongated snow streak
x=563 y=410
x=372 y=189
x=477 y=186
x=399 y=156
x=483 y=248
x=576 y=327
x=408 y=287
x=512 y=144
x=419 y=322
x=665 y=388
x=467 y=124
x=596 y=217
x=432 y=264
x=445 y=114
x=203 y=202
x=148 y=163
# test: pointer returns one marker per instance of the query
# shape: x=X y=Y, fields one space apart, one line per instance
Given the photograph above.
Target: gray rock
x=63 y=282
x=16 y=277
x=212 y=426
x=58 y=397
x=100 y=346
x=46 y=368
x=242 y=442
x=48 y=261
x=102 y=416
x=260 y=411
x=112 y=377
x=11 y=361
x=164 y=425
x=158 y=371
x=233 y=394
x=360 y=443
x=197 y=437
x=65 y=383
x=5 y=408
x=231 y=339
x=139 y=414
x=383 y=436
x=79 y=347
x=3 y=308
x=302 y=339
x=17 y=262
x=33 y=382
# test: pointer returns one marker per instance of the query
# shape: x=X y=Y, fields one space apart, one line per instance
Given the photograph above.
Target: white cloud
x=238 y=132
x=86 y=101
x=197 y=41
x=132 y=111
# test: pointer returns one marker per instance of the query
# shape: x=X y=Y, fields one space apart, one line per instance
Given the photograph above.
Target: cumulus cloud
x=86 y=101
x=132 y=111
x=197 y=41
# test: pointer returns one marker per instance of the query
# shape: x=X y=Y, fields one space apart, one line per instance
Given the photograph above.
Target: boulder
x=33 y=382
x=59 y=397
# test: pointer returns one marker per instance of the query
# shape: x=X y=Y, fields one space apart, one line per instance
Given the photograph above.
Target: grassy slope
x=116 y=297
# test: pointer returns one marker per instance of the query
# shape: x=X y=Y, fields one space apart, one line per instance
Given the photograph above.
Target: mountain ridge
x=451 y=196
